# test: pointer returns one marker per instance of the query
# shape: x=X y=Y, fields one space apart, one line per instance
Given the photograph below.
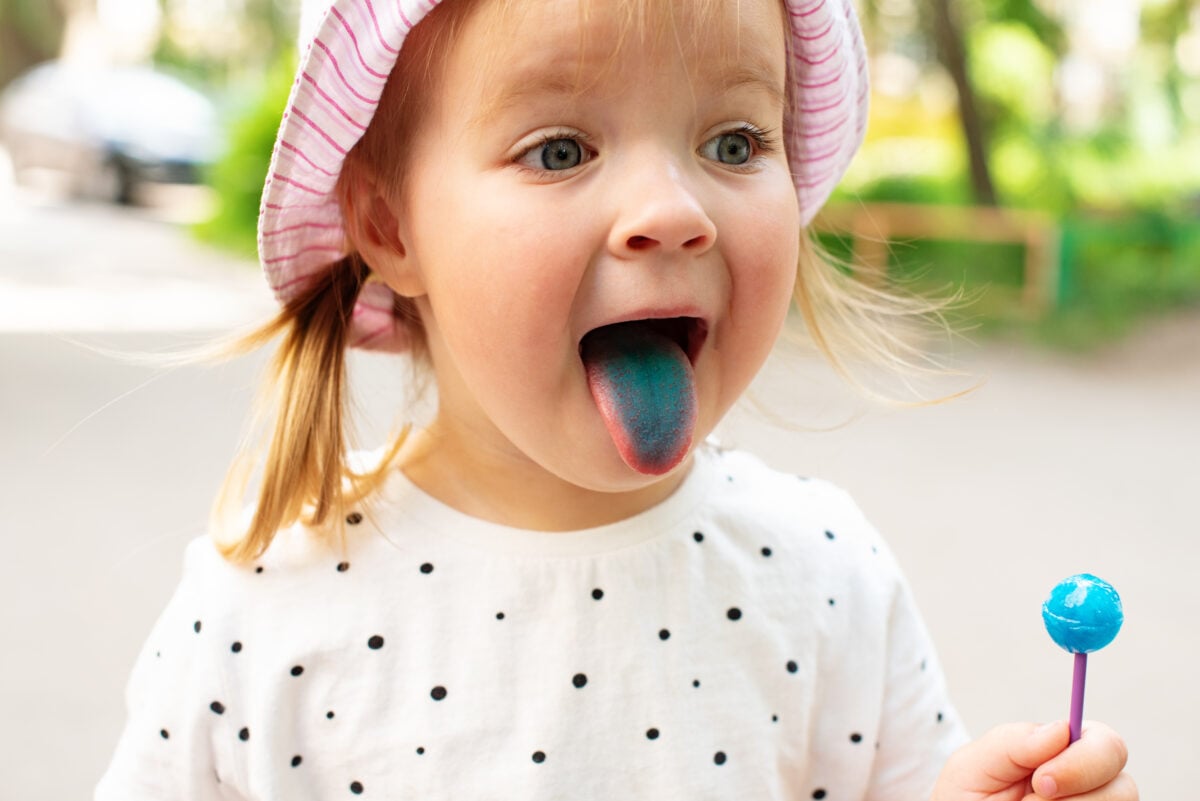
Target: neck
x=512 y=490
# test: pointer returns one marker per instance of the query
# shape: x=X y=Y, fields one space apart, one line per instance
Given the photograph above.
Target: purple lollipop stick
x=1077 y=696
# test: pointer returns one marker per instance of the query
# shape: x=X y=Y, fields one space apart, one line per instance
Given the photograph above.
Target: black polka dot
x=792 y=667
x=829 y=534
x=922 y=664
x=719 y=757
x=343 y=567
x=427 y=568
x=297 y=670
x=832 y=602
x=941 y=717
x=258 y=569
x=579 y=680
x=196 y=627
x=163 y=733
x=734 y=613
x=236 y=647
x=695 y=682
x=420 y=749
x=437 y=693
x=375 y=643
x=774 y=718
x=651 y=734
x=296 y=760
x=664 y=634
x=218 y=707
x=244 y=734
x=329 y=715
x=856 y=738
x=766 y=551
x=158 y=654
x=698 y=537
x=499 y=616
x=818 y=793
x=539 y=757
x=356 y=788
x=354 y=518
x=597 y=593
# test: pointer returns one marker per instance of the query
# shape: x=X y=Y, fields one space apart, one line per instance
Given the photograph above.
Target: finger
x=1005 y=756
x=1091 y=762
x=1122 y=788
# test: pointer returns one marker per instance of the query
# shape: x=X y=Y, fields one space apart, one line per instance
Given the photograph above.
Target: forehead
x=512 y=48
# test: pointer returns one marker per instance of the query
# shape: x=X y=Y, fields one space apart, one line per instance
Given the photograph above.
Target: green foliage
x=934 y=189
x=1015 y=71
x=1029 y=13
x=30 y=32
x=1115 y=270
x=239 y=175
x=1119 y=267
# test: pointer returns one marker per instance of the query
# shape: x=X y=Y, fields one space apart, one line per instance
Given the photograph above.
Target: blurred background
x=1043 y=156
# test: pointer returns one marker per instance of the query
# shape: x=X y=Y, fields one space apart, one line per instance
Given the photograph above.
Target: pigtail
x=304 y=474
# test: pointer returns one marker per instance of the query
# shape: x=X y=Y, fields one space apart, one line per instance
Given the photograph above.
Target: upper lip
x=696 y=325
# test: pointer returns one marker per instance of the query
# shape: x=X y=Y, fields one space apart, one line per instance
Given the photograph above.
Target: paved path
x=1055 y=465
x=66 y=267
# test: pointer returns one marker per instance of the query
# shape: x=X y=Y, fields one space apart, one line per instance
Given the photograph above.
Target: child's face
x=531 y=220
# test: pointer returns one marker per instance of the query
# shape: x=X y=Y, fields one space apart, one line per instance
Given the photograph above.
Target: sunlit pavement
x=75 y=266
x=1055 y=465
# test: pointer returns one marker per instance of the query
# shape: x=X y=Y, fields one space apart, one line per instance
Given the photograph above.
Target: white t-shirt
x=750 y=637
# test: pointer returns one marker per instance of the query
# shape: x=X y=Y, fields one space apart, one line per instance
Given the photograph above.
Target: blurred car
x=109 y=129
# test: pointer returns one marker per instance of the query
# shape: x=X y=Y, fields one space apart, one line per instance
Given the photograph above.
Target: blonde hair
x=302 y=450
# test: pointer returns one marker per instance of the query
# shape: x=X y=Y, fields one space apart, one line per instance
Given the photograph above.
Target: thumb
x=1005 y=756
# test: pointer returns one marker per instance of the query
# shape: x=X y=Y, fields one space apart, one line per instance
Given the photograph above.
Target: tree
x=951 y=53
x=31 y=31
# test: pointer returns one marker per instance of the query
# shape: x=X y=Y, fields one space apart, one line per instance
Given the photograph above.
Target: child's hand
x=1024 y=762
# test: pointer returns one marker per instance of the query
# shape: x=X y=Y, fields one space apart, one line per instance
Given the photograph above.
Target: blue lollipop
x=1082 y=614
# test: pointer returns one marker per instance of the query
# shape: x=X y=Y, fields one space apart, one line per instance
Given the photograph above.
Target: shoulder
x=812 y=526
x=772 y=499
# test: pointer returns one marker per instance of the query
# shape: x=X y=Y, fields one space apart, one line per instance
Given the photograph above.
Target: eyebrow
x=753 y=75
x=541 y=83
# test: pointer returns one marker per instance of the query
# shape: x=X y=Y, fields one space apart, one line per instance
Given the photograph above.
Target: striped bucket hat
x=342 y=75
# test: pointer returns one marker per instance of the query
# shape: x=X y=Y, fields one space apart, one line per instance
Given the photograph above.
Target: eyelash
x=764 y=139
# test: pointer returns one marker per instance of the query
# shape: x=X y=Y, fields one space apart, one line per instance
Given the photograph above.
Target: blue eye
x=561 y=154
x=733 y=148
x=741 y=146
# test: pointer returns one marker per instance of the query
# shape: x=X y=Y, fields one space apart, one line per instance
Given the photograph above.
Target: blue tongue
x=645 y=390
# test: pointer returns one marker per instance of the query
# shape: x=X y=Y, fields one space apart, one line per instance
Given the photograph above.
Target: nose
x=660 y=212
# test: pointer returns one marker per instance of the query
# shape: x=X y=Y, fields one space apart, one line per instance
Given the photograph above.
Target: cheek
x=502 y=304
x=764 y=276
x=769 y=244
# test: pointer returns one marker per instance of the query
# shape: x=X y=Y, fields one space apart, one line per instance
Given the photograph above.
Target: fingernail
x=1047 y=787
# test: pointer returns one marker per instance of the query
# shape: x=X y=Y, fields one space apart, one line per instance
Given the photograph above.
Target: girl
x=584 y=218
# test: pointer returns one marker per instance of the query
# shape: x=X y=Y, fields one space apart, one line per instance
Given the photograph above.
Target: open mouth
x=689 y=333
x=642 y=379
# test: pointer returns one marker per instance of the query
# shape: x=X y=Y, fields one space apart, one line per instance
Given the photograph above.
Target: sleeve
x=166 y=750
x=919 y=728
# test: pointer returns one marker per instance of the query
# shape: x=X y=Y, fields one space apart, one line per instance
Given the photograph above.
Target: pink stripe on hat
x=342 y=75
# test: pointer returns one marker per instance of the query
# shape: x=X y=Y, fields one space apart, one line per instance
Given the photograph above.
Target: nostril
x=696 y=242
x=640 y=242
